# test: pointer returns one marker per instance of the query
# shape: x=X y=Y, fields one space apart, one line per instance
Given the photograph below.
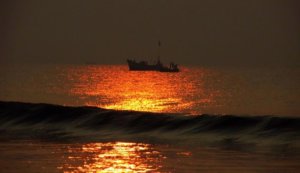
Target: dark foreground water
x=35 y=156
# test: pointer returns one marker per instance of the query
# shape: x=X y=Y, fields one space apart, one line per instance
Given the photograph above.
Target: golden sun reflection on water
x=113 y=157
x=115 y=87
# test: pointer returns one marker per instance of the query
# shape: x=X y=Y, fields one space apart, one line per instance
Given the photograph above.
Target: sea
x=105 y=118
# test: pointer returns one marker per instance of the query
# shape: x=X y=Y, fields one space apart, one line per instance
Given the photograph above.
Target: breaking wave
x=46 y=121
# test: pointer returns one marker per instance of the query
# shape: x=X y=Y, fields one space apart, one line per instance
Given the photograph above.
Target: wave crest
x=96 y=123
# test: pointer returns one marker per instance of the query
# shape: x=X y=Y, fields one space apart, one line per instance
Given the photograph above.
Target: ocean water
x=195 y=90
x=51 y=138
x=107 y=119
x=111 y=157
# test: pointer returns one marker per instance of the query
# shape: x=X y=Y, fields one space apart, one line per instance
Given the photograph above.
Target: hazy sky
x=203 y=32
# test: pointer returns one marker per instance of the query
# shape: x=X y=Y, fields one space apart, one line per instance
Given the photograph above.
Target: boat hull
x=144 y=66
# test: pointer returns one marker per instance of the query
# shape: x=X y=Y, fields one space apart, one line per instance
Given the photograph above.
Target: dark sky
x=202 y=32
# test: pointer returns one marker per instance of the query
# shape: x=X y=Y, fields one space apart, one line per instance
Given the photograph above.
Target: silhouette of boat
x=144 y=66
x=158 y=66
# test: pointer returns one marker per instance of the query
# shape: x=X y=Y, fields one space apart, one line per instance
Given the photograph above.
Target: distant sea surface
x=151 y=121
x=194 y=90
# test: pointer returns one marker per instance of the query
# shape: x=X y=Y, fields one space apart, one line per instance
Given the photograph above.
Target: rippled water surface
x=194 y=90
x=114 y=157
x=41 y=144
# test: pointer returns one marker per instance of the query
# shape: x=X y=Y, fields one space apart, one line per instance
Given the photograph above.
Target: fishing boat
x=145 y=66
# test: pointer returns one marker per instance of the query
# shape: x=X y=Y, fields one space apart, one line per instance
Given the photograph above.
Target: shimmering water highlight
x=194 y=90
